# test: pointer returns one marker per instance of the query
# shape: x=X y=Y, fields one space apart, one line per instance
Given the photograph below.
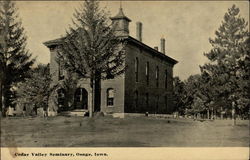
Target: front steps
x=75 y=112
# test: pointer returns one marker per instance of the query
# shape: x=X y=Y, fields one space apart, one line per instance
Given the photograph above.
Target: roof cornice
x=53 y=42
x=59 y=41
x=156 y=53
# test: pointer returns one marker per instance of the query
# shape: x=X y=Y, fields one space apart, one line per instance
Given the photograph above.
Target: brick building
x=146 y=85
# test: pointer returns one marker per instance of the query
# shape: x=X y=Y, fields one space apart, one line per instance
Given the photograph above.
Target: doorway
x=81 y=99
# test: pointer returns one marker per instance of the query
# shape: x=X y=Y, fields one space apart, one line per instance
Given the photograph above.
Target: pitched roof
x=152 y=51
x=130 y=39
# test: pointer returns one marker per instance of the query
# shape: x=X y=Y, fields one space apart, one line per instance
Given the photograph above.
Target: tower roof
x=120 y=15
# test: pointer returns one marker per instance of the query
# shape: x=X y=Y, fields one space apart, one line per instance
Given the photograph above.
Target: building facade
x=145 y=86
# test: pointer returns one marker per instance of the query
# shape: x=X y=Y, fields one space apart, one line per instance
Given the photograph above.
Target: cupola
x=121 y=23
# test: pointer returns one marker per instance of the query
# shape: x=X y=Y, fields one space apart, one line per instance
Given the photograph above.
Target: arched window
x=61 y=96
x=166 y=79
x=147 y=101
x=157 y=76
x=166 y=102
x=147 y=72
x=157 y=104
x=110 y=97
x=136 y=68
x=61 y=71
x=136 y=101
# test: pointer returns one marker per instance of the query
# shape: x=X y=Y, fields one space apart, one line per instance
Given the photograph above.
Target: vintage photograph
x=124 y=73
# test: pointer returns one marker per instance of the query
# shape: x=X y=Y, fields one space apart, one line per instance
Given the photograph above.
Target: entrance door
x=81 y=99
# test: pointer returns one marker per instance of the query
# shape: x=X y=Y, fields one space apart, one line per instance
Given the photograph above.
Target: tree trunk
x=221 y=113
x=212 y=113
x=208 y=114
x=91 y=108
x=233 y=114
x=3 y=101
x=97 y=96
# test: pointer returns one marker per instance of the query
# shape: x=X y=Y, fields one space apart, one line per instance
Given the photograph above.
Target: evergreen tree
x=229 y=58
x=35 y=90
x=15 y=60
x=91 y=48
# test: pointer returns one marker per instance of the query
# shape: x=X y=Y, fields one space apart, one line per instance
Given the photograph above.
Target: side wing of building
x=148 y=80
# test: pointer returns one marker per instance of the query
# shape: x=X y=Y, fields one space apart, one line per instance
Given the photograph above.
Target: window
x=166 y=102
x=136 y=68
x=157 y=104
x=147 y=101
x=110 y=97
x=136 y=101
x=109 y=74
x=60 y=71
x=147 y=72
x=61 y=96
x=157 y=76
x=166 y=79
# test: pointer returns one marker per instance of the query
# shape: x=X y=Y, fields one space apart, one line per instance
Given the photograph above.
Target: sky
x=186 y=26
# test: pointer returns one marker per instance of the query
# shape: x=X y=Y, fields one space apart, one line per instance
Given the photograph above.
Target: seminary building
x=145 y=86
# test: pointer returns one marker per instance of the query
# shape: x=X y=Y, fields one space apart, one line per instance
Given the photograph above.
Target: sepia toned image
x=124 y=74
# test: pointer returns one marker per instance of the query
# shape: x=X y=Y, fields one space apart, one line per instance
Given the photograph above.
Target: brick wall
x=118 y=85
x=160 y=93
x=159 y=97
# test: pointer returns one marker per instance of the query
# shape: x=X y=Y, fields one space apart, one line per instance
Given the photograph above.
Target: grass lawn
x=128 y=132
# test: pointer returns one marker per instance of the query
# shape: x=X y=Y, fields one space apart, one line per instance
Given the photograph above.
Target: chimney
x=163 y=45
x=156 y=48
x=139 y=31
